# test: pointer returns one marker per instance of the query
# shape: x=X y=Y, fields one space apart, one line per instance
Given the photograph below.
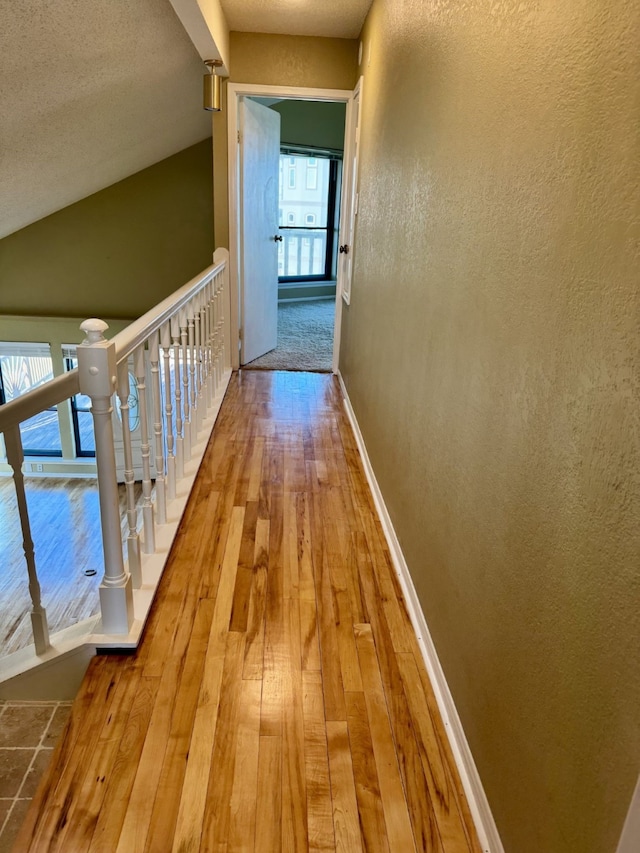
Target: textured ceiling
x=90 y=92
x=333 y=18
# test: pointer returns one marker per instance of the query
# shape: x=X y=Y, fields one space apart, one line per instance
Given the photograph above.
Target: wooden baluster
x=165 y=343
x=97 y=373
x=192 y=370
x=175 y=340
x=15 y=458
x=148 y=523
x=133 y=539
x=186 y=423
x=156 y=393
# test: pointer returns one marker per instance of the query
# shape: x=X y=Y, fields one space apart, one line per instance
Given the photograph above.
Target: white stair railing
x=181 y=365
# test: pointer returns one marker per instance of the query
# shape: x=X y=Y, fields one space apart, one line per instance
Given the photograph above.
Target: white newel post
x=97 y=373
x=15 y=458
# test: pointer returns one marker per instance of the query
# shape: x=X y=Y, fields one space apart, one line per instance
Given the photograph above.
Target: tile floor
x=28 y=733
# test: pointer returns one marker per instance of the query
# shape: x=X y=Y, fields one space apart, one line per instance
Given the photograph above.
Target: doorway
x=303 y=237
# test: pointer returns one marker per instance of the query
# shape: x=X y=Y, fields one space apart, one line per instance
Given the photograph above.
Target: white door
x=259 y=172
x=349 y=195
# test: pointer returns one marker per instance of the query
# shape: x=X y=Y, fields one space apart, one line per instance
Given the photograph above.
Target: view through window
x=307 y=216
x=24 y=366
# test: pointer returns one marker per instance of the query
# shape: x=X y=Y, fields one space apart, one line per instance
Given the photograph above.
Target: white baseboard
x=471 y=782
x=630 y=839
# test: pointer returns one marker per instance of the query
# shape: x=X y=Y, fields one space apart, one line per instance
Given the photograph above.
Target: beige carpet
x=305 y=338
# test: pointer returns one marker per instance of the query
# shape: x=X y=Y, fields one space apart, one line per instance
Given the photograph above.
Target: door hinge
x=238 y=137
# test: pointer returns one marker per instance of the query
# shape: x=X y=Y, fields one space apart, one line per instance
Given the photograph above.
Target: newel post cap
x=94 y=330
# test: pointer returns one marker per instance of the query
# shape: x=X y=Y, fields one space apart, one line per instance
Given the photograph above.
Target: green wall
x=492 y=354
x=118 y=252
x=312 y=123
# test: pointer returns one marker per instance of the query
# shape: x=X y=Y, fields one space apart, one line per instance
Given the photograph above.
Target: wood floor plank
x=215 y=828
x=192 y=802
x=441 y=792
x=269 y=797
x=83 y=814
x=394 y=804
x=278 y=700
x=294 y=794
x=244 y=574
x=346 y=823
x=306 y=583
x=329 y=647
x=167 y=800
x=254 y=646
x=374 y=830
x=309 y=645
x=116 y=798
x=290 y=569
x=316 y=755
x=244 y=796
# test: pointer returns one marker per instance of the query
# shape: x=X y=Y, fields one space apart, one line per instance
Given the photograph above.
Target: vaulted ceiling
x=91 y=92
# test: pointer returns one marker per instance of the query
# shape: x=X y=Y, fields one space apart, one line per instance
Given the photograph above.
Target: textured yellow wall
x=277 y=60
x=492 y=354
x=118 y=252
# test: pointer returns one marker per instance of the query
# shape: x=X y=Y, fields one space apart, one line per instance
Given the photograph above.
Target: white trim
x=234 y=92
x=349 y=206
x=630 y=838
x=471 y=782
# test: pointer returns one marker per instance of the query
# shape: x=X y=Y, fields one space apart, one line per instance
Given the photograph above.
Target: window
x=307 y=251
x=24 y=366
x=81 y=417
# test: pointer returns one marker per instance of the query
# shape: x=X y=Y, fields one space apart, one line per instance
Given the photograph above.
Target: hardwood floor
x=278 y=700
x=65 y=527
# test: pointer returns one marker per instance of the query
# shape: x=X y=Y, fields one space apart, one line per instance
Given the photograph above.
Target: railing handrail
x=38 y=399
x=181 y=366
x=63 y=387
x=130 y=338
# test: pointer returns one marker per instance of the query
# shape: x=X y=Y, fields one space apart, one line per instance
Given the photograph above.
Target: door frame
x=295 y=93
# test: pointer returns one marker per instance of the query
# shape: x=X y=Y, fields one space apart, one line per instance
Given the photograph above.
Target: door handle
x=278 y=238
x=344 y=250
